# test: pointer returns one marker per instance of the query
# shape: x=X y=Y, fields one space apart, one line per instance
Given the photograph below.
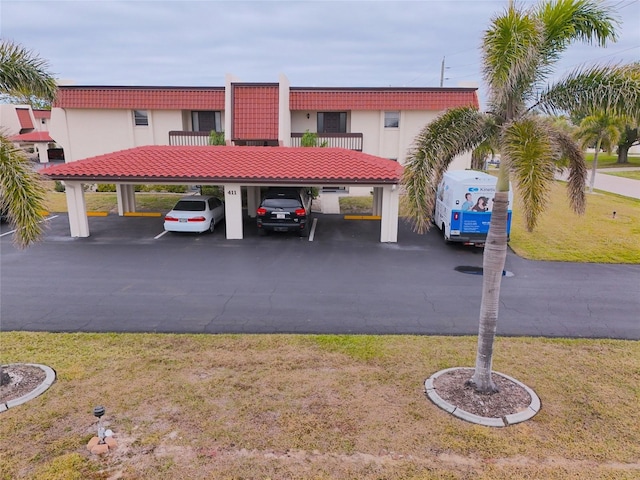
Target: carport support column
x=377 y=201
x=253 y=200
x=390 y=206
x=126 y=198
x=78 y=221
x=233 y=210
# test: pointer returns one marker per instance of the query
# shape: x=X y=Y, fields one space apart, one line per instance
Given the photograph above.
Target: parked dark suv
x=285 y=209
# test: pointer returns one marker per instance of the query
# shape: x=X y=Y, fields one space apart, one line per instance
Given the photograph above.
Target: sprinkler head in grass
x=99 y=412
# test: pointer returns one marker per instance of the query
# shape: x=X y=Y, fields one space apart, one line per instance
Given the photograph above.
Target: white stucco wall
x=88 y=132
x=9 y=120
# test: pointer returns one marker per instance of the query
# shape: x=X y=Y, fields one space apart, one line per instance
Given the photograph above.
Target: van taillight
x=261 y=211
x=456 y=216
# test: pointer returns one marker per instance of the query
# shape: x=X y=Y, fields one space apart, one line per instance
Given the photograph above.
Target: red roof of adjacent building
x=32 y=137
x=306 y=166
x=152 y=98
x=382 y=98
x=39 y=114
x=24 y=118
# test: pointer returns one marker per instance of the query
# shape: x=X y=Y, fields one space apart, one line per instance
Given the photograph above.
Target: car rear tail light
x=301 y=212
x=261 y=211
x=196 y=219
x=170 y=219
x=456 y=216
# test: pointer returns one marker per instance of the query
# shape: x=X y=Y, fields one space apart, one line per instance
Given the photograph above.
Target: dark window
x=190 y=206
x=391 y=119
x=206 y=121
x=332 y=122
x=281 y=202
x=140 y=117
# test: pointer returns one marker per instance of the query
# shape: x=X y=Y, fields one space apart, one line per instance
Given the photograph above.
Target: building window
x=206 y=121
x=391 y=119
x=140 y=117
x=332 y=122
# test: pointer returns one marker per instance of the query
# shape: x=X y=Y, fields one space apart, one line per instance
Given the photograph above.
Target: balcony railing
x=350 y=141
x=177 y=137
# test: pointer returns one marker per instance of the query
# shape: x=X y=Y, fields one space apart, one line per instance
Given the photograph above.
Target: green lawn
x=596 y=236
x=611 y=161
x=315 y=407
x=633 y=174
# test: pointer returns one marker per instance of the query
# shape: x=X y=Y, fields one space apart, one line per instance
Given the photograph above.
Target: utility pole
x=442 y=73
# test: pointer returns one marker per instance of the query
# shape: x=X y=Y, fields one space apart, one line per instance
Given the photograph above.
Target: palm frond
x=528 y=147
x=23 y=72
x=576 y=166
x=456 y=131
x=511 y=57
x=615 y=90
x=21 y=193
x=567 y=21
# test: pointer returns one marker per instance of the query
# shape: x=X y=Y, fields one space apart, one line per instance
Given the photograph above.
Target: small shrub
x=106 y=187
x=59 y=186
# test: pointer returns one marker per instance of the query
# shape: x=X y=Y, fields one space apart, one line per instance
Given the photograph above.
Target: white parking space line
x=14 y=230
x=161 y=234
x=313 y=229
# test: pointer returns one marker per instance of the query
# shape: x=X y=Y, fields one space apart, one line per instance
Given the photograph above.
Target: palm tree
x=520 y=48
x=22 y=194
x=603 y=131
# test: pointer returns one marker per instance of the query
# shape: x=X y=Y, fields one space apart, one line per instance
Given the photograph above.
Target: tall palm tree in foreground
x=21 y=192
x=520 y=48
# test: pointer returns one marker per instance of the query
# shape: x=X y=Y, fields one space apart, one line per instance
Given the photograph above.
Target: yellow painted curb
x=97 y=214
x=362 y=217
x=142 y=214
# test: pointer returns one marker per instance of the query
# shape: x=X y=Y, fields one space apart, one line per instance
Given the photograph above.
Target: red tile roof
x=434 y=99
x=255 y=112
x=32 y=137
x=39 y=114
x=249 y=165
x=25 y=118
x=152 y=98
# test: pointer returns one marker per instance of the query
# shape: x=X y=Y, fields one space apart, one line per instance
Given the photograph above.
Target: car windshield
x=281 y=202
x=190 y=206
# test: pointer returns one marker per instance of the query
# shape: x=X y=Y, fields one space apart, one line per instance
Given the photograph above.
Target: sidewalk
x=612 y=183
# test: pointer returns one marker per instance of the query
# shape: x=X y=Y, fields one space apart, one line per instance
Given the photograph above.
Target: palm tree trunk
x=594 y=167
x=495 y=254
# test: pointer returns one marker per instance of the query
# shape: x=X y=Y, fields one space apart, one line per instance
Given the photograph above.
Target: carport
x=234 y=168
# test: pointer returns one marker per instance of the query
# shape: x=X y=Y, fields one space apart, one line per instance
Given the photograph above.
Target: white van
x=464 y=201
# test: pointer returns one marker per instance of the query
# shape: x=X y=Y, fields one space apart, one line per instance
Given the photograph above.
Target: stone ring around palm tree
x=24 y=382
x=514 y=403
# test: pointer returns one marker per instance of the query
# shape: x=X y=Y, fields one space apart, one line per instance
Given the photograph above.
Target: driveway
x=127 y=278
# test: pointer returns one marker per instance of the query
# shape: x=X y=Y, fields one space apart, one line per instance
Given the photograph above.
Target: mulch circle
x=512 y=397
x=24 y=379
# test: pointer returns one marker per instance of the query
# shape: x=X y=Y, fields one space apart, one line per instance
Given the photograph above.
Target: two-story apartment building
x=90 y=121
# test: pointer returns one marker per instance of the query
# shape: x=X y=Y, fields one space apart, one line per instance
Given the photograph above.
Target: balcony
x=350 y=141
x=182 y=138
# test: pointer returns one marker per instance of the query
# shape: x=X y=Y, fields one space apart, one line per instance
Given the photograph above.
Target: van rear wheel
x=444 y=235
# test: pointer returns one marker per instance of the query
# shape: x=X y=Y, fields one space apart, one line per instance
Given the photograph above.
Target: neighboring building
x=29 y=129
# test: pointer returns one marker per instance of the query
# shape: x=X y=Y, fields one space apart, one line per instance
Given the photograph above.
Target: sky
x=321 y=43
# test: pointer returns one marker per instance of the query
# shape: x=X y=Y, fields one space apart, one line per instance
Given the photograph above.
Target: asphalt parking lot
x=128 y=276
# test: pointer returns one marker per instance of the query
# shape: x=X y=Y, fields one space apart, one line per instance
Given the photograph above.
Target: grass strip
x=285 y=406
